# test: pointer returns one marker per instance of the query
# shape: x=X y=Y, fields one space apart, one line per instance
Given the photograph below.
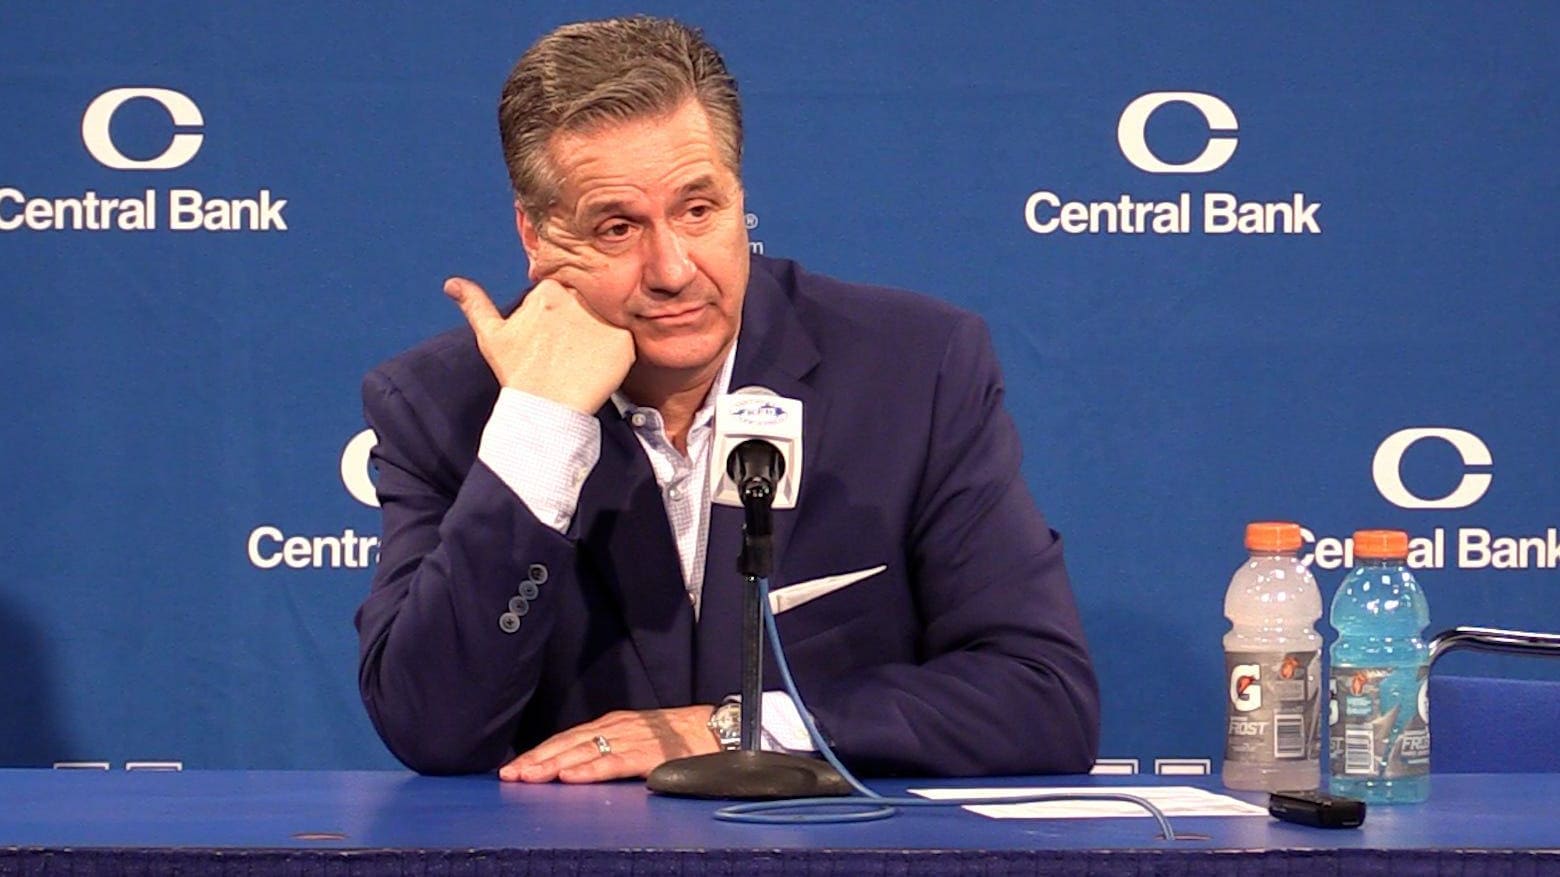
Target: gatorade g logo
x=1424 y=702
x=1386 y=468
x=100 y=114
x=1134 y=120
x=1245 y=689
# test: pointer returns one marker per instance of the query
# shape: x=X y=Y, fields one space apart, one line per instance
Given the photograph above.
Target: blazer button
x=529 y=590
x=509 y=622
x=537 y=573
x=518 y=607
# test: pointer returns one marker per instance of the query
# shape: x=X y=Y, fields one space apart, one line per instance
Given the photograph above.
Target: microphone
x=759 y=436
x=756 y=466
x=756 y=415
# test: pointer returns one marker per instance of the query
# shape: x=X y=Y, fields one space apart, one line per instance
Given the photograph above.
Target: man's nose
x=667 y=266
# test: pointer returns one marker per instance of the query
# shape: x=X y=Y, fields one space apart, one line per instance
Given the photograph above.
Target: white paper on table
x=1173 y=800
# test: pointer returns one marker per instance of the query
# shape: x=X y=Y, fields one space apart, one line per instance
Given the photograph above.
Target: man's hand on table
x=638 y=742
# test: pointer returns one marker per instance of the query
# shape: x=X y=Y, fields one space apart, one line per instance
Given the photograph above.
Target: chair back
x=1481 y=724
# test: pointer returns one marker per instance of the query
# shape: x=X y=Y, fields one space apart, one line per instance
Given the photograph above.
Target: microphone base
x=747 y=775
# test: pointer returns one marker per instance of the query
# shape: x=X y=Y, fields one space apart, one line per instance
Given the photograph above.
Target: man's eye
x=699 y=211
x=616 y=231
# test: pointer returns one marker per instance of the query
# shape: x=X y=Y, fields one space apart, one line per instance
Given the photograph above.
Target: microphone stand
x=750 y=773
x=755 y=563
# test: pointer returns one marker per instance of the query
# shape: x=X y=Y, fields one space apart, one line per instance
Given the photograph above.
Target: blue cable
x=867 y=805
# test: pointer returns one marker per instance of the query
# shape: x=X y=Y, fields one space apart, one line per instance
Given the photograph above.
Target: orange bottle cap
x=1388 y=544
x=1272 y=536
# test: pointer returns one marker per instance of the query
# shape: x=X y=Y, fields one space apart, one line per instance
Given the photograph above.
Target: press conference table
x=303 y=822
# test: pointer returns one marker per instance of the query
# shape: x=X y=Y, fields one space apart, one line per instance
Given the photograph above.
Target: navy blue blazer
x=965 y=656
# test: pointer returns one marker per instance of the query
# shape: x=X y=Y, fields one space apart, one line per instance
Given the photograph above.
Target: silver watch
x=726 y=724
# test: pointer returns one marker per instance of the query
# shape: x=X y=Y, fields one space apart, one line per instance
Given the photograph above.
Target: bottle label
x=1383 y=724
x=1273 y=702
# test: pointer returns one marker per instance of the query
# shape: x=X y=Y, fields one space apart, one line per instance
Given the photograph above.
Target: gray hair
x=595 y=73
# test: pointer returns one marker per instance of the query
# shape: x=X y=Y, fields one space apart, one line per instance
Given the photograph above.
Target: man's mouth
x=677 y=317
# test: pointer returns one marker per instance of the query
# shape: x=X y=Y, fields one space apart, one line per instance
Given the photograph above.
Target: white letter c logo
x=182 y=148
x=354 y=468
x=1134 y=119
x=1387 y=468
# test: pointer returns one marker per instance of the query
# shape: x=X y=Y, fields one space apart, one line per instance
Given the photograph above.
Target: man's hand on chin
x=635 y=743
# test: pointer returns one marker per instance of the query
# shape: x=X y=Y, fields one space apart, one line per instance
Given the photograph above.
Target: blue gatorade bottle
x=1380 y=739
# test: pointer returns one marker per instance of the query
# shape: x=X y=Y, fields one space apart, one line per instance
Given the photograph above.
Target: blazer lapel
x=629 y=542
x=774 y=351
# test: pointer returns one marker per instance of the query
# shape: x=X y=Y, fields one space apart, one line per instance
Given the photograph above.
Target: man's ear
x=530 y=239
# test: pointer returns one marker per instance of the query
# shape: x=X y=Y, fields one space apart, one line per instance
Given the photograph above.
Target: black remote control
x=1317 y=809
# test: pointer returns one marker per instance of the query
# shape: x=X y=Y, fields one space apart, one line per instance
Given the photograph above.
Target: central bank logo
x=1387 y=468
x=355 y=475
x=1462 y=545
x=98 y=119
x=150 y=209
x=1131 y=132
x=270 y=547
x=1211 y=212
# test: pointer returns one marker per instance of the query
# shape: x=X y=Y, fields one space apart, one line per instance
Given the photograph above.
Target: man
x=556 y=597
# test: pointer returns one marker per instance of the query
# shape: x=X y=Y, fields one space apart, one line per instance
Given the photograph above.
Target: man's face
x=649 y=229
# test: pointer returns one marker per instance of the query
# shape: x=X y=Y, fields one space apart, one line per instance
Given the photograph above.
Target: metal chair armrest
x=1494 y=639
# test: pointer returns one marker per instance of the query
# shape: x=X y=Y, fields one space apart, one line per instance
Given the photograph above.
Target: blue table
x=84 y=822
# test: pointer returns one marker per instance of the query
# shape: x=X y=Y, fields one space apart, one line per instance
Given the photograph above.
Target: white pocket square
x=792 y=596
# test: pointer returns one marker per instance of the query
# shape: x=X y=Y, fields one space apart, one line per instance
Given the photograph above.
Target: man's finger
x=549 y=749
x=596 y=770
x=548 y=769
x=571 y=758
x=510 y=772
x=474 y=303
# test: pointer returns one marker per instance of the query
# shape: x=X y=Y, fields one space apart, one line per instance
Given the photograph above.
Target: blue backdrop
x=182 y=400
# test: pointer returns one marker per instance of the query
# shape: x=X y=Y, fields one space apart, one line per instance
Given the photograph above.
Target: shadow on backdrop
x=30 y=730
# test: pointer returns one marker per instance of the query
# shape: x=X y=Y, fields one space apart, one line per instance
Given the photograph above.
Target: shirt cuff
x=783 y=730
x=543 y=451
